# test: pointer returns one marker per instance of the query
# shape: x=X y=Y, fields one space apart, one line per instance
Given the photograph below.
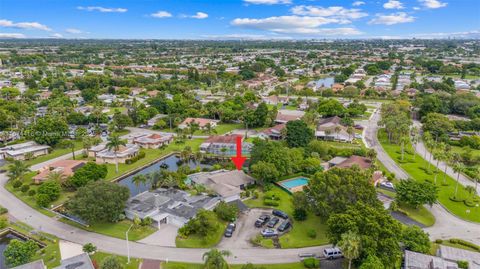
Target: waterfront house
x=24 y=151
x=153 y=141
x=109 y=156
x=224 y=145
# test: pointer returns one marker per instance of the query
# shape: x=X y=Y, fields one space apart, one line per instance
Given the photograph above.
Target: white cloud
x=24 y=25
x=358 y=3
x=56 y=35
x=393 y=4
x=416 y=8
x=74 y=31
x=267 y=2
x=103 y=9
x=343 y=15
x=161 y=14
x=295 y=25
x=432 y=4
x=390 y=19
x=12 y=35
x=200 y=16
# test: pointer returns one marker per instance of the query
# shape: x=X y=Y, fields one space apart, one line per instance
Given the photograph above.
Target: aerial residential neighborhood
x=242 y=134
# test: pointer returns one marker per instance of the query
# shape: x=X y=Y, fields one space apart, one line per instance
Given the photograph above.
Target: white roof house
x=20 y=151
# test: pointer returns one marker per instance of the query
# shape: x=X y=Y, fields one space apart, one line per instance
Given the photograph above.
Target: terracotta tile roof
x=200 y=121
x=362 y=162
x=226 y=139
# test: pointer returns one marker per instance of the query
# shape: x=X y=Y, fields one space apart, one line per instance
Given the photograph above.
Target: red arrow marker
x=239 y=159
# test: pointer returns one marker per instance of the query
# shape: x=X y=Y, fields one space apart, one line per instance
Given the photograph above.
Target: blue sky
x=245 y=19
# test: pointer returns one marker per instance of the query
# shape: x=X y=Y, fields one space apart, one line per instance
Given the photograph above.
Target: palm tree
x=192 y=128
x=437 y=155
x=17 y=169
x=337 y=130
x=415 y=139
x=350 y=245
x=68 y=144
x=446 y=157
x=351 y=133
x=215 y=259
x=198 y=158
x=56 y=176
x=328 y=132
x=403 y=140
x=427 y=137
x=458 y=168
x=114 y=143
x=139 y=179
x=470 y=189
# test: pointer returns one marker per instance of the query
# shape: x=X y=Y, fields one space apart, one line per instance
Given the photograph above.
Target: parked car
x=273 y=222
x=262 y=220
x=229 y=230
x=387 y=185
x=284 y=226
x=332 y=253
x=280 y=214
x=269 y=233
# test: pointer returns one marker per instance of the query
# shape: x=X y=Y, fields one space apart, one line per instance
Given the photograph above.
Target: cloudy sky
x=239 y=19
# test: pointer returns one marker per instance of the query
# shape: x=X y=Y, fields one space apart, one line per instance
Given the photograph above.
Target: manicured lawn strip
x=414 y=169
x=99 y=256
x=116 y=230
x=221 y=129
x=195 y=241
x=57 y=152
x=183 y=265
x=150 y=156
x=297 y=237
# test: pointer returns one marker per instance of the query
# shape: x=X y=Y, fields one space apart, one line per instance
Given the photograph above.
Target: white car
x=332 y=253
x=387 y=184
x=269 y=233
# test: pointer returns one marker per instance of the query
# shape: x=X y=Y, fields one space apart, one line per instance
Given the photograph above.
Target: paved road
x=421 y=150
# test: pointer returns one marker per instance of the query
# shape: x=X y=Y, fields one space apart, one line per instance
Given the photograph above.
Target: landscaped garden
x=415 y=166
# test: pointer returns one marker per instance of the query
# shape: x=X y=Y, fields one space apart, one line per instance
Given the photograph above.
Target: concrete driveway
x=245 y=230
x=164 y=237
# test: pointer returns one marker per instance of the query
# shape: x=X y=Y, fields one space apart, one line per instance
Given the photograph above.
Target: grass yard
x=195 y=241
x=151 y=155
x=99 y=256
x=116 y=230
x=57 y=152
x=222 y=128
x=415 y=168
x=182 y=265
x=298 y=235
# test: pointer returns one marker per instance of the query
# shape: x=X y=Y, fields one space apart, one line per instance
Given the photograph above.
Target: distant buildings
x=24 y=151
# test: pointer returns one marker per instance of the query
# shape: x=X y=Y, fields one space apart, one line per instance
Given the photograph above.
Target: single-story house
x=81 y=261
x=66 y=167
x=153 y=141
x=170 y=206
x=446 y=258
x=224 y=145
x=342 y=162
x=285 y=115
x=32 y=265
x=332 y=129
x=226 y=184
x=202 y=123
x=122 y=155
x=274 y=133
x=24 y=151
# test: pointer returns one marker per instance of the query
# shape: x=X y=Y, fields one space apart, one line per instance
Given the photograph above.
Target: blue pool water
x=296 y=182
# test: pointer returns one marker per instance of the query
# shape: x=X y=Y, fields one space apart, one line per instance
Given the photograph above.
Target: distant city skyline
x=239 y=19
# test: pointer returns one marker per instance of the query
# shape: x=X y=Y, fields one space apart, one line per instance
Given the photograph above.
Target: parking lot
x=245 y=230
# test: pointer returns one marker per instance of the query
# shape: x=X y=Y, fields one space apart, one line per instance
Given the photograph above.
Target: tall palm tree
x=438 y=155
x=17 y=170
x=446 y=158
x=350 y=133
x=337 y=130
x=458 y=168
x=56 y=176
x=403 y=141
x=215 y=259
x=427 y=138
x=114 y=143
x=414 y=139
x=139 y=179
x=350 y=245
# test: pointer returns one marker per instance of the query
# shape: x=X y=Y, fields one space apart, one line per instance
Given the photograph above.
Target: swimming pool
x=294 y=184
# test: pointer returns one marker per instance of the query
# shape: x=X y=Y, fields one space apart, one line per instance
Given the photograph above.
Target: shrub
x=462 y=264
x=439 y=241
x=16 y=184
x=24 y=188
x=312 y=233
x=464 y=243
x=456 y=199
x=269 y=202
x=32 y=193
x=3 y=210
x=311 y=263
x=3 y=222
x=300 y=214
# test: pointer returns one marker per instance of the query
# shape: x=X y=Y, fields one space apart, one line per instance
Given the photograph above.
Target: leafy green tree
x=261 y=114
x=331 y=107
x=415 y=239
x=215 y=259
x=89 y=248
x=111 y=262
x=120 y=121
x=350 y=246
x=114 y=143
x=298 y=134
x=47 y=130
x=416 y=193
x=48 y=192
x=265 y=172
x=437 y=124
x=226 y=212
x=89 y=172
x=68 y=144
x=18 y=252
x=99 y=201
x=372 y=262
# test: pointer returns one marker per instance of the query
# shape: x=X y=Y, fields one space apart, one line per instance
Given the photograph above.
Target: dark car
x=229 y=230
x=280 y=214
x=284 y=226
x=273 y=222
x=262 y=220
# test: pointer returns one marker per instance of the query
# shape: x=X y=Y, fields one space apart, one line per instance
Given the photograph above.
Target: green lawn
x=151 y=155
x=196 y=241
x=99 y=256
x=56 y=152
x=222 y=128
x=297 y=237
x=415 y=168
x=116 y=230
x=182 y=265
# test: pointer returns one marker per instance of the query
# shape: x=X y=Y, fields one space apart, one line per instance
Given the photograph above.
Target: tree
x=350 y=246
x=331 y=107
x=458 y=168
x=300 y=206
x=89 y=248
x=68 y=144
x=17 y=170
x=415 y=239
x=437 y=124
x=114 y=143
x=111 y=262
x=298 y=134
x=139 y=179
x=99 y=202
x=204 y=224
x=265 y=172
x=261 y=114
x=226 y=212
x=18 y=252
x=215 y=259
x=89 y=172
x=48 y=192
x=47 y=130
x=416 y=193
x=120 y=121
x=372 y=262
